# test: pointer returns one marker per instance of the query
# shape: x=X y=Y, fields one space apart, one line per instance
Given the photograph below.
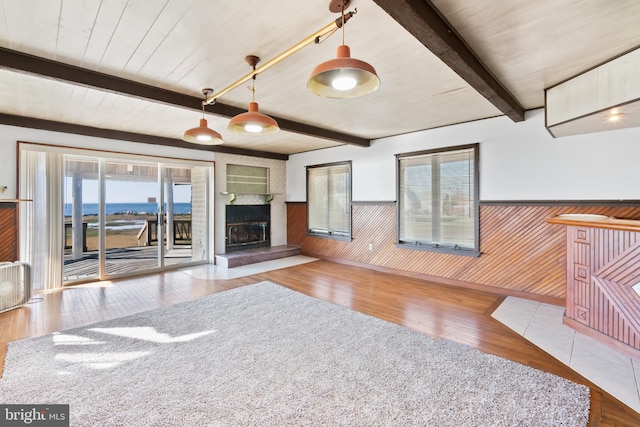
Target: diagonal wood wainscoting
x=521 y=253
x=8 y=232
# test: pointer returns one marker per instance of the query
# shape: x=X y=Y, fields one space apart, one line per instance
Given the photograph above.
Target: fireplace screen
x=247 y=227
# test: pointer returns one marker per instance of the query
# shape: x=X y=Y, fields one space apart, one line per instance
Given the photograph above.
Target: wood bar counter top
x=596 y=221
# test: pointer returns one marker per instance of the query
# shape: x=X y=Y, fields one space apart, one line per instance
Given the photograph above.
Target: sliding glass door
x=125 y=217
x=131 y=209
x=185 y=213
x=81 y=221
x=178 y=214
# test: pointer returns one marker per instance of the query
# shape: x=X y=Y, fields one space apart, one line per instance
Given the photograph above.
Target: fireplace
x=247 y=227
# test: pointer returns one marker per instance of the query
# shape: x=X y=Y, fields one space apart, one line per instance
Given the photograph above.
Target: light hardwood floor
x=437 y=310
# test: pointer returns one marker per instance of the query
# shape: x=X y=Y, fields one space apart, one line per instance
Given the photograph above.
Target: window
x=92 y=207
x=438 y=200
x=329 y=200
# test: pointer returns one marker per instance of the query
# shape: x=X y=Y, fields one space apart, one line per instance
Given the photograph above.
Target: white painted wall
x=518 y=161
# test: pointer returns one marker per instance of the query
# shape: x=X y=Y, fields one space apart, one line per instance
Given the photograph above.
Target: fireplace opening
x=247 y=227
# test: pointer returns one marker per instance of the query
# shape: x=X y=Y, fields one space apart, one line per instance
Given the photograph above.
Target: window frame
x=435 y=247
x=330 y=234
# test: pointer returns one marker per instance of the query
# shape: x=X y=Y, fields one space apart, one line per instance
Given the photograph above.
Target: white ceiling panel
x=186 y=45
x=532 y=45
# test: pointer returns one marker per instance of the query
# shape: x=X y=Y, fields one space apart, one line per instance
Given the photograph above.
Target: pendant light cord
x=253 y=86
x=342 y=17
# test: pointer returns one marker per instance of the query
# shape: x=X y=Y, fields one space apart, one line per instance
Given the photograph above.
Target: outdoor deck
x=135 y=259
x=121 y=261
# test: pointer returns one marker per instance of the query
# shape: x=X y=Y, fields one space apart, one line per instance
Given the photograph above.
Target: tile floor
x=212 y=272
x=542 y=324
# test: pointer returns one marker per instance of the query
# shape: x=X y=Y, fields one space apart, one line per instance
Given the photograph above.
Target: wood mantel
x=603 y=267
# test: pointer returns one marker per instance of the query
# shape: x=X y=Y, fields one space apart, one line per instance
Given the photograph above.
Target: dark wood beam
x=425 y=23
x=33 y=123
x=42 y=67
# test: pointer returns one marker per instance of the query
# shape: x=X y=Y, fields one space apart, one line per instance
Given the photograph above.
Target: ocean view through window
x=98 y=215
x=124 y=217
x=89 y=209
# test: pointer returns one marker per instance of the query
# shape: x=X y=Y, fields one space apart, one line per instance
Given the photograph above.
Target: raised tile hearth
x=251 y=256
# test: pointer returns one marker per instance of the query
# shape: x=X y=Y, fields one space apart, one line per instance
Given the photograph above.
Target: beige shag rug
x=265 y=355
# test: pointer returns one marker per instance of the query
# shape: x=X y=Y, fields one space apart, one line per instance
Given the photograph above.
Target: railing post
x=84 y=237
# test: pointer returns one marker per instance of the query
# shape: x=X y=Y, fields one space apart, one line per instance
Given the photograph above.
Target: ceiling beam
x=50 y=125
x=421 y=19
x=42 y=67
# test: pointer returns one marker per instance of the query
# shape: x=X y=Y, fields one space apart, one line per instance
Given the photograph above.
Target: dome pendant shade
x=202 y=135
x=253 y=122
x=343 y=77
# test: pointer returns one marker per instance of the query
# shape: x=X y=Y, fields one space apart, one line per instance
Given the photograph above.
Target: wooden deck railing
x=147 y=235
x=181 y=232
x=68 y=236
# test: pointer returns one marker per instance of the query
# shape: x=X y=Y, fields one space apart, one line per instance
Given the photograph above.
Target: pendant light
x=202 y=134
x=253 y=122
x=343 y=77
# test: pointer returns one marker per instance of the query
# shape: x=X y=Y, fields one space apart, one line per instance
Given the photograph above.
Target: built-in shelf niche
x=247 y=180
x=242 y=179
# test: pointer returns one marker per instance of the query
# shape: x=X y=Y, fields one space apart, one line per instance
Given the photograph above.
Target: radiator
x=15 y=284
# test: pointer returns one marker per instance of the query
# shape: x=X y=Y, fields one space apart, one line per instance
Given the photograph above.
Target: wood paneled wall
x=521 y=253
x=8 y=232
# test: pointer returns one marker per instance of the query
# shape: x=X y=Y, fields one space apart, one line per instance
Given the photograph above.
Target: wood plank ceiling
x=136 y=69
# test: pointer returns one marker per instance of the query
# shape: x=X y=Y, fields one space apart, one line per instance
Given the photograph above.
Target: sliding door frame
x=104 y=156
